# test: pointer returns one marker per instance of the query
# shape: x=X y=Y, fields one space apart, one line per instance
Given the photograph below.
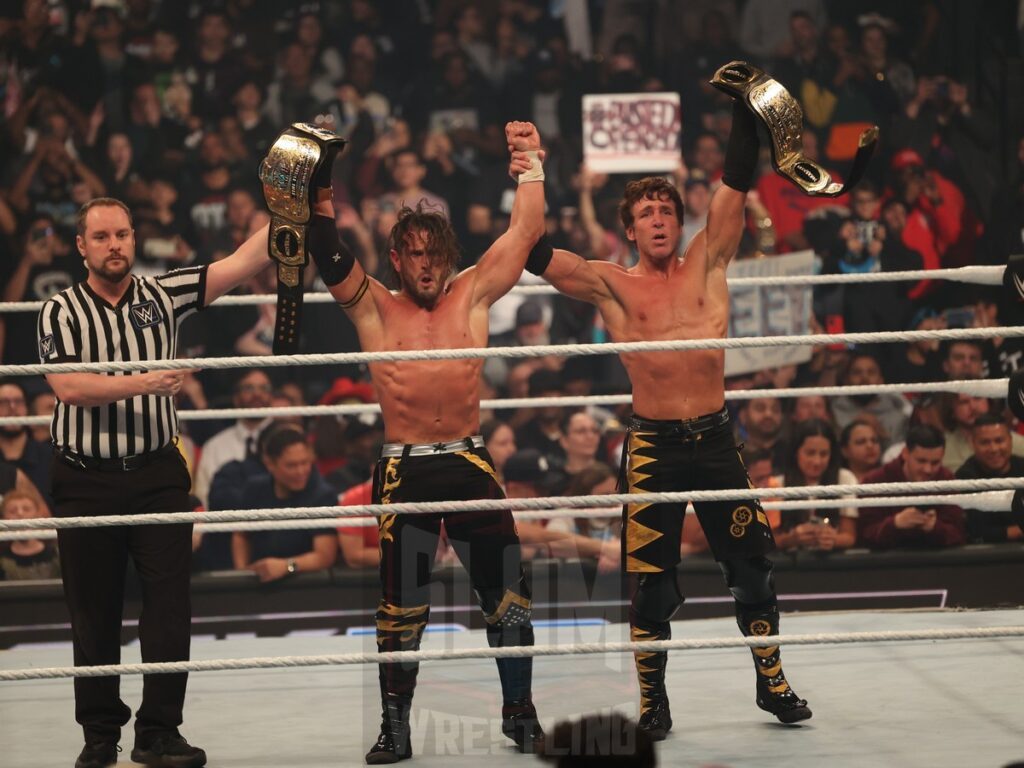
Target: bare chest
x=672 y=310
x=446 y=327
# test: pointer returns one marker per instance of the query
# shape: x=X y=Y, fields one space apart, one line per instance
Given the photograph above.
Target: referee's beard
x=114 y=269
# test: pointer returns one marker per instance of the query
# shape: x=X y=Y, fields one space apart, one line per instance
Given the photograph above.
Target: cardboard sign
x=631 y=132
x=769 y=311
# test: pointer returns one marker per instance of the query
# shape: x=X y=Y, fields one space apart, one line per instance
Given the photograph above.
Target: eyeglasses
x=12 y=402
x=254 y=388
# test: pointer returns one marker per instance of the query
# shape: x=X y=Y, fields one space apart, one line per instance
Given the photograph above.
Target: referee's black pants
x=93 y=564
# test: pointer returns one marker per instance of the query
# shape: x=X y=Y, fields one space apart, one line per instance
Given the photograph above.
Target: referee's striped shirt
x=76 y=325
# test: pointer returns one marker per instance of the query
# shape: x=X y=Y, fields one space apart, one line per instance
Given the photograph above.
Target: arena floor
x=935 y=704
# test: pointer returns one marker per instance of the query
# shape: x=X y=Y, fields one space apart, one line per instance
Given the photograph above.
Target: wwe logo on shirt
x=145 y=314
x=46 y=347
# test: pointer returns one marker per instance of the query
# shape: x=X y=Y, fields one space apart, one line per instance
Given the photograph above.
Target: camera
x=959 y=317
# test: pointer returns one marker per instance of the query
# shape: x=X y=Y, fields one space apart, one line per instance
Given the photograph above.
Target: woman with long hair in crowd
x=814 y=460
x=861 y=446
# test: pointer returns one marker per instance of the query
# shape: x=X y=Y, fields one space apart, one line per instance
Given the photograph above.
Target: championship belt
x=784 y=119
x=288 y=173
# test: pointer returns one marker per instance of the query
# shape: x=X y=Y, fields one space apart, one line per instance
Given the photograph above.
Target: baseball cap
x=528 y=313
x=526 y=466
x=905 y=158
x=345 y=390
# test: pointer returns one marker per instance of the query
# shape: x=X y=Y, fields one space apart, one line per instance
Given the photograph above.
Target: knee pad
x=657 y=597
x=751 y=581
x=511 y=607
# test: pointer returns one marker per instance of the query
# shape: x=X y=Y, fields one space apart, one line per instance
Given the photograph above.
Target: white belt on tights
x=391 y=450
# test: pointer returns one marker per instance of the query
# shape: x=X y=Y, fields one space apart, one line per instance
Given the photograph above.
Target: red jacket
x=876 y=529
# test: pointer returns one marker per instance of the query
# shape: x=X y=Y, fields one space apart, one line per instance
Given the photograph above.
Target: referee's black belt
x=123 y=464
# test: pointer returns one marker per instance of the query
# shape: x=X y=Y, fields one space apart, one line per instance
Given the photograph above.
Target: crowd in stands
x=170 y=106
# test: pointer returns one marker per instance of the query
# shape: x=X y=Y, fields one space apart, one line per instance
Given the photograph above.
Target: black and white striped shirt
x=76 y=325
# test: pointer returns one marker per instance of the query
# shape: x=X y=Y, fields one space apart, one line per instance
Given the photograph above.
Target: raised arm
x=500 y=268
x=569 y=273
x=250 y=259
x=356 y=292
x=727 y=216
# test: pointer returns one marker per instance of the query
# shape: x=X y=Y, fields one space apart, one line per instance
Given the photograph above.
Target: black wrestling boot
x=169 y=750
x=774 y=694
x=97 y=755
x=655 y=717
x=656 y=720
x=519 y=722
x=393 y=744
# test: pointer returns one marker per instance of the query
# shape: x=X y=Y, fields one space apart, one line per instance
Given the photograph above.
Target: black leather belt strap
x=123 y=464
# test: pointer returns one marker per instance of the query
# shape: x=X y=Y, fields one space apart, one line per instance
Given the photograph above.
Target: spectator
x=861 y=446
x=214 y=71
x=297 y=91
x=500 y=442
x=407 y=171
x=696 y=203
x=760 y=419
x=811 y=407
x=122 y=178
x=911 y=233
x=892 y=411
x=163 y=235
x=940 y=525
x=292 y=482
x=359 y=544
x=309 y=33
x=810 y=71
x=252 y=390
x=889 y=83
x=17 y=446
x=257 y=131
x=814 y=460
x=763 y=34
x=992 y=457
x=363 y=437
x=42 y=404
x=958 y=414
x=596 y=480
x=528 y=475
x=227 y=489
x=915 y=361
x=581 y=441
x=543 y=431
x=962 y=359
x=46 y=267
x=26 y=558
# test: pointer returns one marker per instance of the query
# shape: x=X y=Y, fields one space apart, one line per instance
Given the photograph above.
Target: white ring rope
x=498 y=505
x=990 y=388
x=973 y=274
x=511 y=652
x=985 y=501
x=558 y=350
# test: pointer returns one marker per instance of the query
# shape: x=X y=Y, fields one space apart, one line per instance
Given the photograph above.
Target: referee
x=114 y=436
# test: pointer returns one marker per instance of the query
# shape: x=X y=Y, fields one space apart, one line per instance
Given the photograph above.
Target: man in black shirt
x=992 y=443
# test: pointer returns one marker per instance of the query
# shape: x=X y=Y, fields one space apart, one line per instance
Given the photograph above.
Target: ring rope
x=510 y=652
x=984 y=501
x=972 y=274
x=500 y=505
x=539 y=350
x=990 y=388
